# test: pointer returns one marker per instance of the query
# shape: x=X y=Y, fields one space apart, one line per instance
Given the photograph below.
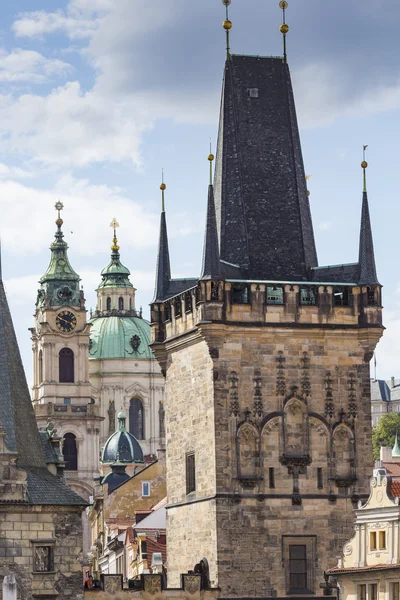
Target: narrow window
x=373 y=591
x=178 y=307
x=382 y=540
x=362 y=592
x=70 y=452
x=43 y=559
x=167 y=311
x=274 y=295
x=297 y=569
x=66 y=366
x=240 y=294
x=145 y=489
x=308 y=296
x=67 y=401
x=40 y=366
x=136 y=419
x=272 y=478
x=372 y=540
x=143 y=549
x=320 y=478
x=190 y=473
x=121 y=304
x=371 y=298
x=188 y=302
x=394 y=592
x=341 y=296
x=108 y=304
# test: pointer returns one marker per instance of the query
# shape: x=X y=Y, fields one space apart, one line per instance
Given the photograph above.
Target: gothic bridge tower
x=61 y=390
x=266 y=357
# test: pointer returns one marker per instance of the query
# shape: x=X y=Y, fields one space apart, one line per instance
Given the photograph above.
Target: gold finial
x=364 y=165
x=211 y=159
x=59 y=207
x=284 y=28
x=308 y=177
x=227 y=25
x=163 y=187
x=114 y=224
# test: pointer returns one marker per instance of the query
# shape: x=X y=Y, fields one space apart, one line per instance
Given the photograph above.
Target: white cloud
x=7 y=172
x=22 y=290
x=324 y=226
x=29 y=66
x=388 y=349
x=69 y=127
x=38 y=23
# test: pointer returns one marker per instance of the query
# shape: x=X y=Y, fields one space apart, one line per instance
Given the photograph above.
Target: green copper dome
x=120 y=337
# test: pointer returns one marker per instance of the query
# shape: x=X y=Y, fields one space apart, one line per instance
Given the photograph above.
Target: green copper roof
x=396 y=449
x=120 y=337
x=115 y=274
x=60 y=284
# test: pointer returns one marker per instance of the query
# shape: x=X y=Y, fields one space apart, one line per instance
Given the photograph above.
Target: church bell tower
x=61 y=390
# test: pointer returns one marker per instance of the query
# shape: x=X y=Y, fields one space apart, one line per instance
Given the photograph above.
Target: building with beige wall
x=370 y=565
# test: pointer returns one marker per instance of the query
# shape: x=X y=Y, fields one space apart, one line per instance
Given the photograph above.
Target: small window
x=67 y=400
x=372 y=540
x=253 y=92
x=108 y=304
x=373 y=591
x=121 y=304
x=394 y=591
x=70 y=452
x=362 y=592
x=178 y=307
x=167 y=311
x=43 y=559
x=320 y=478
x=274 y=295
x=382 y=540
x=371 y=296
x=40 y=366
x=272 y=478
x=240 y=294
x=145 y=489
x=143 y=549
x=66 y=366
x=308 y=296
x=341 y=296
x=298 y=568
x=188 y=302
x=190 y=473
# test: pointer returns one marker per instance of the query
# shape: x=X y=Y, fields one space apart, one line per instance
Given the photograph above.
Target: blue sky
x=98 y=95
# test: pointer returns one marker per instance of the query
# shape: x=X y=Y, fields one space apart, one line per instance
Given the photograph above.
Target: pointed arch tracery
x=248 y=451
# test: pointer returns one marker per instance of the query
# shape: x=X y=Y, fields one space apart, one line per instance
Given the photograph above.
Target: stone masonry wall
x=20 y=527
x=266 y=394
x=189 y=421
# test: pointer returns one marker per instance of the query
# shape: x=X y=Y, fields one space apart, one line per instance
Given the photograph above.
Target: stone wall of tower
x=190 y=419
x=247 y=397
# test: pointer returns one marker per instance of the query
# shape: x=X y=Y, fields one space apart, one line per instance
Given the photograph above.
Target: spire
x=227 y=25
x=261 y=202
x=211 y=261
x=60 y=284
x=396 y=448
x=16 y=410
x=163 y=269
x=366 y=260
x=115 y=275
x=284 y=28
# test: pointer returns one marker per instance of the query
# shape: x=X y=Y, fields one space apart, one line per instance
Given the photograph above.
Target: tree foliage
x=384 y=433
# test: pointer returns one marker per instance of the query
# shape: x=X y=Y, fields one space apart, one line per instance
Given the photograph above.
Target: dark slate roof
x=211 y=263
x=163 y=270
x=16 y=410
x=50 y=455
x=18 y=420
x=46 y=488
x=366 y=256
x=178 y=286
x=336 y=273
x=262 y=208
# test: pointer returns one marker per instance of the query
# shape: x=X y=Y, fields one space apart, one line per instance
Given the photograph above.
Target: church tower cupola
x=60 y=284
x=115 y=294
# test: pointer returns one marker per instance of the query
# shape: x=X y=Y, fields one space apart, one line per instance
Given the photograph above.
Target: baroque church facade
x=86 y=371
x=266 y=358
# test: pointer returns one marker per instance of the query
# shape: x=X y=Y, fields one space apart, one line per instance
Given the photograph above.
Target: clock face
x=66 y=321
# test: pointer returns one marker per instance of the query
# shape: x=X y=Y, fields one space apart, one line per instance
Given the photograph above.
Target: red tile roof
x=362 y=569
x=392 y=468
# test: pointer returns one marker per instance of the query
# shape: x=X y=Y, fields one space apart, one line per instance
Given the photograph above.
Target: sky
x=97 y=96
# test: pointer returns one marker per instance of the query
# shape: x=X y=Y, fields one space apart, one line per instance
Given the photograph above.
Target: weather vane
x=211 y=159
x=59 y=207
x=364 y=165
x=114 y=224
x=227 y=25
x=163 y=187
x=284 y=28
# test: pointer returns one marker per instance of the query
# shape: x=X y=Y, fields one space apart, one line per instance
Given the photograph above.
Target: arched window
x=108 y=304
x=70 y=452
x=66 y=366
x=121 y=304
x=40 y=366
x=136 y=419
